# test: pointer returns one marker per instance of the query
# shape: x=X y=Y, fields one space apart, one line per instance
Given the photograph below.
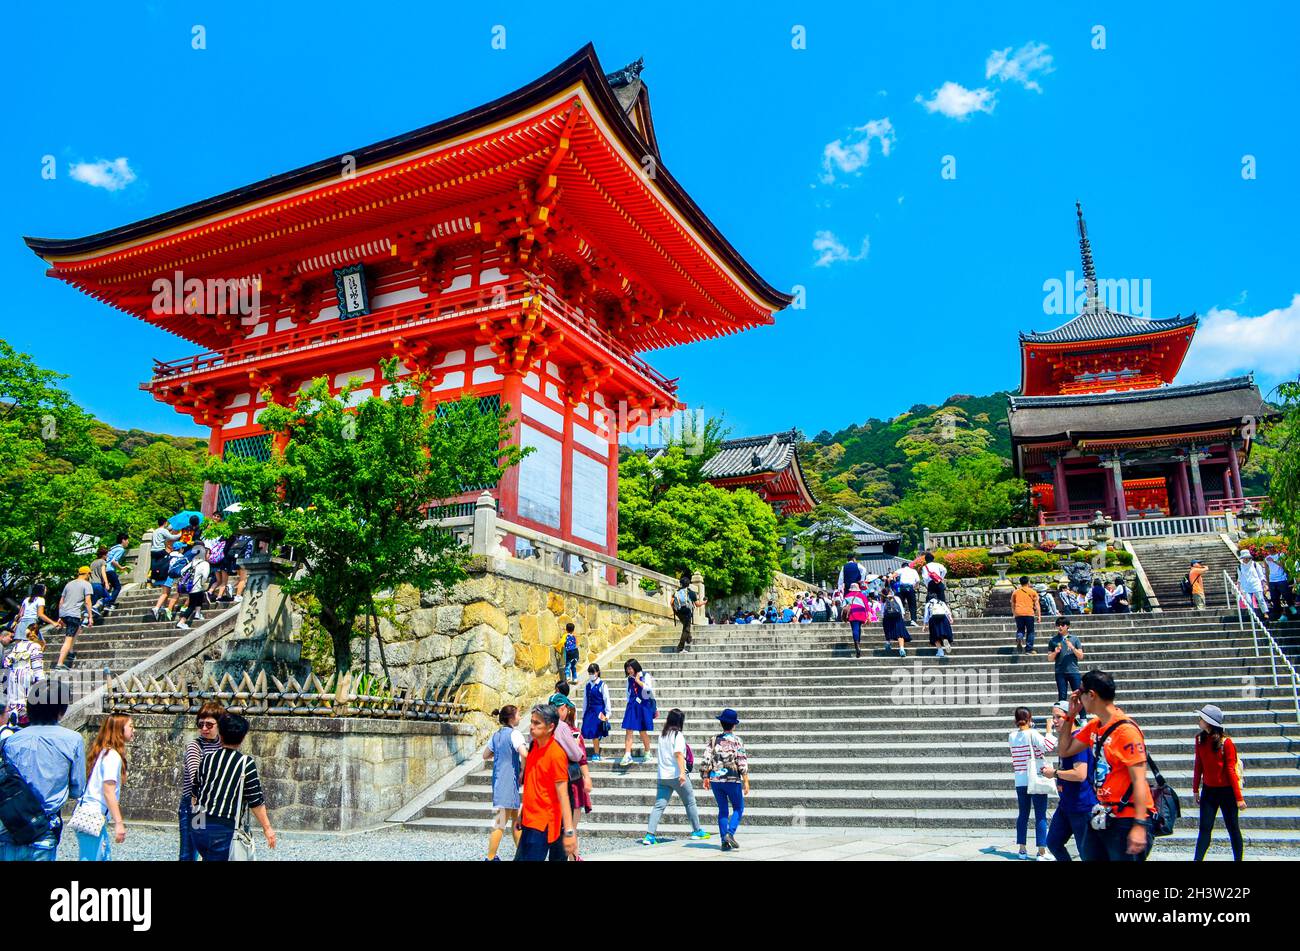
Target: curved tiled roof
x=1107 y=325
x=752 y=454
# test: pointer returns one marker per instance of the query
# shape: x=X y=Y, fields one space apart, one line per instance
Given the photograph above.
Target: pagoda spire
x=1093 y=304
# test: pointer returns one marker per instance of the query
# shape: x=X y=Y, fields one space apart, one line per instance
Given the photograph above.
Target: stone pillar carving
x=263 y=635
x=485 y=525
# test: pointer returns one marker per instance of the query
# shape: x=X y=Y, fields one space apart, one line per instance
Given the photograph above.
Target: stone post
x=263 y=635
x=485 y=525
x=701 y=614
x=140 y=570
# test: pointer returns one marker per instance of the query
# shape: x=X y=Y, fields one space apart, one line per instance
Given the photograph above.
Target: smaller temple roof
x=1107 y=325
x=752 y=455
x=864 y=533
x=1161 y=408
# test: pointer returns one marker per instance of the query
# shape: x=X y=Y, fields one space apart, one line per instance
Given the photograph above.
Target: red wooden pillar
x=611 y=494
x=1234 y=466
x=1062 y=496
x=566 y=474
x=511 y=395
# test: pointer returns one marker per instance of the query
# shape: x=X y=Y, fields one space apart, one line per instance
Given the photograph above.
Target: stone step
x=903 y=817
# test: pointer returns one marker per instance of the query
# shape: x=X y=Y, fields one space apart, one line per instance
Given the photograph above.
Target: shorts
x=168 y=582
x=71 y=625
x=504 y=819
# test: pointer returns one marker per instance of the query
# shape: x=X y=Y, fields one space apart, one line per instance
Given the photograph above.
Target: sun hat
x=1211 y=715
x=84 y=570
x=728 y=717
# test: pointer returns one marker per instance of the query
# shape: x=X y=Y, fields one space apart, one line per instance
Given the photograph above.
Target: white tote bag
x=1038 y=784
x=242 y=848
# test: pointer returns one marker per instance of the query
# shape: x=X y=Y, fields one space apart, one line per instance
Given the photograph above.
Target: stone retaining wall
x=969 y=597
x=498 y=637
x=783 y=590
x=320 y=773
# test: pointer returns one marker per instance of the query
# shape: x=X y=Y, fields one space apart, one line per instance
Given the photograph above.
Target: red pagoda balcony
x=442 y=312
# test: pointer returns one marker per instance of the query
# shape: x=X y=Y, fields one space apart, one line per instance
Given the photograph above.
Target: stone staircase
x=1167 y=560
x=835 y=742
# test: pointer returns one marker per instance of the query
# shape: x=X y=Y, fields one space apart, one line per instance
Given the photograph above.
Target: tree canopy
x=349 y=489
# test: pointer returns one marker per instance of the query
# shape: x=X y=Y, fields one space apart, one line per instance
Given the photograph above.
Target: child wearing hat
x=724 y=768
x=1218 y=766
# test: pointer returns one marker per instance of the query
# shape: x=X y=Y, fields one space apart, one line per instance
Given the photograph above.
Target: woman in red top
x=1216 y=763
x=857 y=605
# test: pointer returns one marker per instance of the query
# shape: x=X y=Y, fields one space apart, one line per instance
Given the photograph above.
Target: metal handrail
x=1231 y=591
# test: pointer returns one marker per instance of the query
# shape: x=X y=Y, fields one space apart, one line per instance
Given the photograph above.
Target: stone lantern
x=1000 y=553
x=1251 y=518
x=1101 y=528
x=1064 y=550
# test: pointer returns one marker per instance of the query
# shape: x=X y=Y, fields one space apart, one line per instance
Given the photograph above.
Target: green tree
x=971 y=491
x=350 y=489
x=820 y=541
x=672 y=522
x=1284 y=482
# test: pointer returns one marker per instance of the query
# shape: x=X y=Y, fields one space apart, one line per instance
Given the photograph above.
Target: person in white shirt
x=107 y=772
x=1279 y=582
x=934 y=573
x=32 y=611
x=1250 y=580
x=908 y=579
x=1029 y=750
x=674 y=776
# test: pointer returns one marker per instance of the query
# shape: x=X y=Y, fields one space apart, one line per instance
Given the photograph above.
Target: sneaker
x=902 y=652
x=154 y=614
x=735 y=846
x=595 y=758
x=700 y=834
x=1020 y=643
x=62 y=667
x=626 y=760
x=939 y=652
x=726 y=846
x=649 y=839
x=238 y=598
x=495 y=858
x=185 y=627
x=1030 y=650
x=1023 y=856
x=198 y=616
x=1044 y=858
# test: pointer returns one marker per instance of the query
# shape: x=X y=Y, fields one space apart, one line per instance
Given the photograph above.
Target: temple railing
x=408 y=316
x=988 y=537
x=484 y=533
x=1215 y=506
x=1248 y=610
x=1172 y=525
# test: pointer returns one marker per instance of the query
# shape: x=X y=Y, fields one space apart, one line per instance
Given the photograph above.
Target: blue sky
x=823 y=165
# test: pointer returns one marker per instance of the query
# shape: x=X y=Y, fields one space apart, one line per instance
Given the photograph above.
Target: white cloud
x=1020 y=67
x=112 y=176
x=1228 y=342
x=830 y=249
x=957 y=102
x=851 y=154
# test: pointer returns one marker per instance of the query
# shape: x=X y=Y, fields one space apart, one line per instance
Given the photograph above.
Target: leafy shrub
x=1032 y=562
x=1257 y=544
x=966 y=562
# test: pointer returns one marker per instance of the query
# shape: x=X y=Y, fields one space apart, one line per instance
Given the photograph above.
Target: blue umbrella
x=182 y=519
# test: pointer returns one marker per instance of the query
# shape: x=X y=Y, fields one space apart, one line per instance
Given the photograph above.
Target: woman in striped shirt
x=207 y=742
x=226 y=787
x=1029 y=750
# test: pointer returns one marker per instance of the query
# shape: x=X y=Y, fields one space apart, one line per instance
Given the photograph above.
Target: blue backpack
x=570 y=643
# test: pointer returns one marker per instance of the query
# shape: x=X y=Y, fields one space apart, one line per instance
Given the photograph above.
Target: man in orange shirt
x=1124 y=792
x=1197 y=577
x=1027 y=608
x=546 y=829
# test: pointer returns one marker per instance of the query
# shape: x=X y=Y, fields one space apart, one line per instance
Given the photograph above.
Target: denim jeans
x=114 y=587
x=1111 y=844
x=533 y=847
x=857 y=631
x=664 y=792
x=184 y=817
x=212 y=840
x=1025 y=629
x=42 y=850
x=1063 y=825
x=1023 y=801
x=1067 y=681
x=731 y=798
x=96 y=848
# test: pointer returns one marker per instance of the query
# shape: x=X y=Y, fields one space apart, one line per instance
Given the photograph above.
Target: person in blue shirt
x=113 y=569
x=52 y=761
x=1279 y=582
x=787 y=616
x=1074 y=783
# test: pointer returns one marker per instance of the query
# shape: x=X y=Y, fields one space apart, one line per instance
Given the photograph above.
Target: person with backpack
x=857 y=605
x=595 y=710
x=74 y=611
x=1279 y=582
x=893 y=624
x=1120 y=829
x=685 y=601
x=167 y=597
x=40 y=767
x=639 y=714
x=1073 y=779
x=938 y=618
x=725 y=771
x=579 y=771
x=675 y=764
x=226 y=790
x=101 y=801
x=1029 y=750
x=194 y=583
x=160 y=548
x=850 y=574
x=571 y=653
x=935 y=575
x=1218 y=766
x=1194 y=584
x=907 y=579
x=547 y=832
